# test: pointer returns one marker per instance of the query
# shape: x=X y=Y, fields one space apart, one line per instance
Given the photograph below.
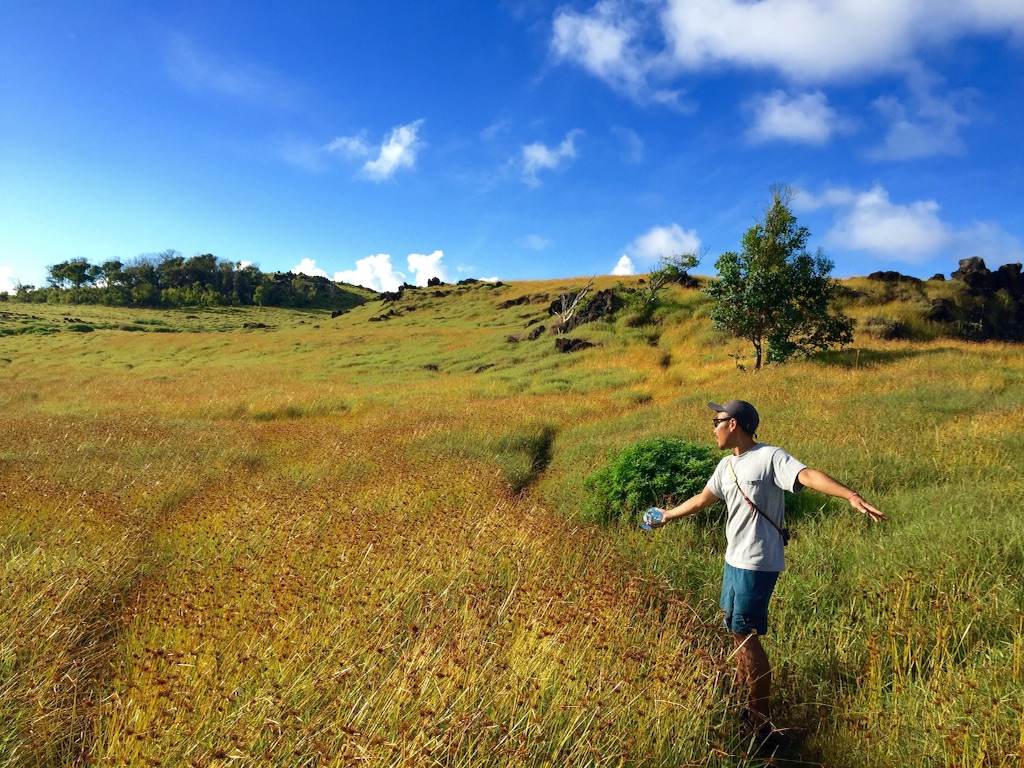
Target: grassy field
x=268 y=537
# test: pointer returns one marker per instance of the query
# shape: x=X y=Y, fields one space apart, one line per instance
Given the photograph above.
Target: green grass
x=298 y=545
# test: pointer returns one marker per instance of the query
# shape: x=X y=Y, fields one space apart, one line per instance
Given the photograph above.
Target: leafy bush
x=658 y=472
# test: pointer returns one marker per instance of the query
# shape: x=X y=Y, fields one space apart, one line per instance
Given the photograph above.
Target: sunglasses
x=716 y=422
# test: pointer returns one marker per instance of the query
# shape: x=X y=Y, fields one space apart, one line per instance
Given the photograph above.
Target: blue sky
x=522 y=139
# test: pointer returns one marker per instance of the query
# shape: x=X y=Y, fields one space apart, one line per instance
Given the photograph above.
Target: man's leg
x=755 y=672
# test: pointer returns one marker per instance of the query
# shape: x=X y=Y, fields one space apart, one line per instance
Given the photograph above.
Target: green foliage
x=170 y=280
x=656 y=472
x=775 y=294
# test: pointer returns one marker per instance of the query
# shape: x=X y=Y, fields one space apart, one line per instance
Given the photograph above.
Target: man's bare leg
x=756 y=673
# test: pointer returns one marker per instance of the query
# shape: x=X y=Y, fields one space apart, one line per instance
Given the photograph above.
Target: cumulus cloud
x=805 y=118
x=308 y=267
x=424 y=267
x=6 y=279
x=378 y=272
x=824 y=41
x=910 y=233
x=399 y=150
x=607 y=41
x=633 y=45
x=650 y=248
x=538 y=157
x=624 y=266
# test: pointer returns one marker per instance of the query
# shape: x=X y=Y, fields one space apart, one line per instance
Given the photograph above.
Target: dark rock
x=563 y=344
x=514 y=302
x=254 y=325
x=975 y=275
x=938 y=277
x=536 y=333
x=337 y=313
x=483 y=368
x=942 y=311
x=430 y=367
x=434 y=282
x=891 y=276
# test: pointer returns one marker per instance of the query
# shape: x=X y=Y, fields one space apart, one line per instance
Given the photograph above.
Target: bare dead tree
x=570 y=305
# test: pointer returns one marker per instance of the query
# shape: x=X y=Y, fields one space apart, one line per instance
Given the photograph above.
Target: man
x=752 y=481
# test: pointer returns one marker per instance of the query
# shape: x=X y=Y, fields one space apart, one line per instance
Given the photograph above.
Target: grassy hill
x=272 y=537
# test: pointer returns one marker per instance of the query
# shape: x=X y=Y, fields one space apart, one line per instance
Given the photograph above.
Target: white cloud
x=624 y=266
x=929 y=125
x=867 y=220
x=606 y=41
x=539 y=157
x=399 y=150
x=810 y=41
x=308 y=267
x=825 y=40
x=377 y=272
x=870 y=221
x=805 y=118
x=425 y=267
x=374 y=272
x=650 y=248
x=6 y=279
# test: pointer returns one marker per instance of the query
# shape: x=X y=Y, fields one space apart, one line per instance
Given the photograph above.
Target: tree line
x=170 y=280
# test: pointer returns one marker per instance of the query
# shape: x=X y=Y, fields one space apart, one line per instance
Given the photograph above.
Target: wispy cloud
x=200 y=71
x=397 y=151
x=632 y=144
x=538 y=157
x=536 y=242
x=926 y=125
x=804 y=118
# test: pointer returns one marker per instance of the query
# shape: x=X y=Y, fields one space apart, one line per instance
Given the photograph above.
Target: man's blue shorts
x=745 y=596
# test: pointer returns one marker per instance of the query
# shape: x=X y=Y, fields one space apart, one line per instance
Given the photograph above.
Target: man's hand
x=653 y=518
x=862 y=506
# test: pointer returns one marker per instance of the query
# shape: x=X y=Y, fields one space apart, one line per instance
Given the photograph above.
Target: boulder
x=563 y=344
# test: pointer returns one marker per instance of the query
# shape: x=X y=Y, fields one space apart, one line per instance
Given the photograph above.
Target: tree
x=672 y=269
x=775 y=294
x=569 y=305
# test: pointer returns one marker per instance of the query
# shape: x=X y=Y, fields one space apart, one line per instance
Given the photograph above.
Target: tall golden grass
x=310 y=544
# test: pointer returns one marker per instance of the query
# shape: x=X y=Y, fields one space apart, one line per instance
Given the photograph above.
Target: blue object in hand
x=653 y=517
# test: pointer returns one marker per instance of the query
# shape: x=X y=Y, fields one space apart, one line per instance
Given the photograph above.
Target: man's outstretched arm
x=819 y=481
x=692 y=505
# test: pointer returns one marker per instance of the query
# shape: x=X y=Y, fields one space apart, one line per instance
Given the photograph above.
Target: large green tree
x=775 y=294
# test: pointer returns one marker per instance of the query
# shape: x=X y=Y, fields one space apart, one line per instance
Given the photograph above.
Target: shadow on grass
x=869 y=358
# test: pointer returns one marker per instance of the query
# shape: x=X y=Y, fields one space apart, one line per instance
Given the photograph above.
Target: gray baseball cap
x=744 y=413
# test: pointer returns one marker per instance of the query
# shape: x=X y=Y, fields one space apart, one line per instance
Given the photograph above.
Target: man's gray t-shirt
x=765 y=473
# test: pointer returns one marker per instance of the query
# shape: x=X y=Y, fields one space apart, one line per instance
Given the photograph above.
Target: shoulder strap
x=753 y=506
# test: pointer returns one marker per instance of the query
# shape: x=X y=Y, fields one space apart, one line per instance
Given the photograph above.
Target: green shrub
x=659 y=472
